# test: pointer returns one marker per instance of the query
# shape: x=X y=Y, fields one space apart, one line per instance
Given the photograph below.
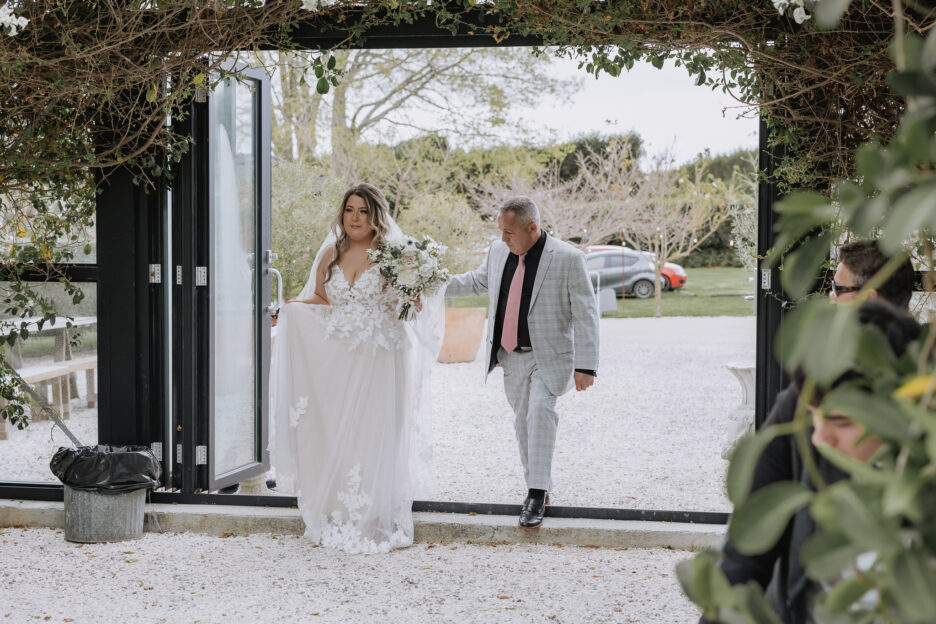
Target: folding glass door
x=221 y=255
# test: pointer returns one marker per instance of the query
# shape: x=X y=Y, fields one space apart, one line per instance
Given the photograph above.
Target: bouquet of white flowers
x=412 y=268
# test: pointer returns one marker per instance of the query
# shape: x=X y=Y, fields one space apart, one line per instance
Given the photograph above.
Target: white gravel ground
x=648 y=435
x=263 y=578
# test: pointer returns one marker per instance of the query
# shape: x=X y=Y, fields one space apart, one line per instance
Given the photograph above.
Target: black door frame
x=129 y=377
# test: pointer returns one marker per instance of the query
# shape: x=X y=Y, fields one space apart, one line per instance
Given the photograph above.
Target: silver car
x=621 y=268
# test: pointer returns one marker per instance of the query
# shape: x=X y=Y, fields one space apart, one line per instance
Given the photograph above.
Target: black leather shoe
x=531 y=517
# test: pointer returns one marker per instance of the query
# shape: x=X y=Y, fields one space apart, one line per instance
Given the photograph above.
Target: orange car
x=638 y=280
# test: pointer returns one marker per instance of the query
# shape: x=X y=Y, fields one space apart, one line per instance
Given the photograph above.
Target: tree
x=677 y=213
x=305 y=200
x=665 y=211
x=575 y=209
x=448 y=219
x=465 y=93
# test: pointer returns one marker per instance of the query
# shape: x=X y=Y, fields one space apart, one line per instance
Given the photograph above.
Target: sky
x=663 y=105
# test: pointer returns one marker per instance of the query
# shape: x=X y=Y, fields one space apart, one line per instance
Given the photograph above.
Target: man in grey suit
x=543 y=331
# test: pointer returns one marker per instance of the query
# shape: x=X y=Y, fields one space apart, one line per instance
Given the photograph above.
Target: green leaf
x=913 y=140
x=911 y=83
x=800 y=213
x=801 y=267
x=913 y=51
x=914 y=583
x=829 y=13
x=87 y=248
x=874 y=353
x=910 y=212
x=859 y=522
x=743 y=461
x=850 y=465
x=151 y=93
x=879 y=414
x=332 y=61
x=322 y=86
x=864 y=220
x=805 y=335
x=845 y=594
x=928 y=54
x=901 y=497
x=319 y=71
x=703 y=581
x=826 y=555
x=755 y=601
x=758 y=523
x=198 y=79
x=869 y=162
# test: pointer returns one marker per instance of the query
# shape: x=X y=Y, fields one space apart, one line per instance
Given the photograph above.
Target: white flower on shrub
x=799 y=8
x=10 y=23
x=317 y=5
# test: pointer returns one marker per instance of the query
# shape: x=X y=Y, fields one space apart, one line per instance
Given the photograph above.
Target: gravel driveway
x=262 y=578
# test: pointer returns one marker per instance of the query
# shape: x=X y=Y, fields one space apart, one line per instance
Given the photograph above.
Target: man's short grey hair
x=523 y=209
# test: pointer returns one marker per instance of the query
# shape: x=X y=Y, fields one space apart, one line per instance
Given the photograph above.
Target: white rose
x=408 y=277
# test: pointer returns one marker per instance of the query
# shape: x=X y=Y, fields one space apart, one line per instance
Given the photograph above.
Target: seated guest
x=858 y=263
x=779 y=570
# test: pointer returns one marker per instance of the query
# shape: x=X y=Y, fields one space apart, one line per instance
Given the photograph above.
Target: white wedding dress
x=348 y=436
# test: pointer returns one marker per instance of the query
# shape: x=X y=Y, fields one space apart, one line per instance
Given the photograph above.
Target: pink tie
x=512 y=314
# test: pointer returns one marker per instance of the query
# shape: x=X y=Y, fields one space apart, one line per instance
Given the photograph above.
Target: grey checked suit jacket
x=563 y=316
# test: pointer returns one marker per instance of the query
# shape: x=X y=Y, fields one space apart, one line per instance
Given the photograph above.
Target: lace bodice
x=363 y=313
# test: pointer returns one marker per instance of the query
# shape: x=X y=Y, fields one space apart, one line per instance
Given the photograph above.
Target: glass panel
x=86 y=242
x=83 y=248
x=233 y=278
x=61 y=364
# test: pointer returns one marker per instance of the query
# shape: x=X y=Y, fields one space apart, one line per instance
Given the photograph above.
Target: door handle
x=276 y=305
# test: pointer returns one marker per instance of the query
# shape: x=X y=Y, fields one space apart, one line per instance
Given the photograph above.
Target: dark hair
x=898 y=328
x=864 y=259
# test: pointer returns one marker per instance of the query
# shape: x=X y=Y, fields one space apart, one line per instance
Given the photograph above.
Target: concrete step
x=429 y=527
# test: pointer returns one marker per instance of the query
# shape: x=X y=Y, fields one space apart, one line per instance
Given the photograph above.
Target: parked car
x=631 y=271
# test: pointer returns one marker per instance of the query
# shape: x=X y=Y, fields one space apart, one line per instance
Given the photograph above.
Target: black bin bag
x=106 y=469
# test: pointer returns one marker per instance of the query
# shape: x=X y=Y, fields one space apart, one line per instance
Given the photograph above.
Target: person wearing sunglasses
x=778 y=571
x=858 y=263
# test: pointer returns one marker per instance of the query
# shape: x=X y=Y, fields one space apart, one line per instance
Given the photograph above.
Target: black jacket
x=779 y=570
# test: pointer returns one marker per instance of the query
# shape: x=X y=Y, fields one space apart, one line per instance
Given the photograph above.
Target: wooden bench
x=55 y=377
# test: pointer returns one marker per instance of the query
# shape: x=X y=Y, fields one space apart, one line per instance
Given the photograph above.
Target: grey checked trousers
x=536 y=419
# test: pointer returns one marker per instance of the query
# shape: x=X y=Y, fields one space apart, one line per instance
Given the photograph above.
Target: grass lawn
x=708 y=292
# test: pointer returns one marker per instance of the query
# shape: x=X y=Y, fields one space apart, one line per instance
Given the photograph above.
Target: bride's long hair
x=377 y=218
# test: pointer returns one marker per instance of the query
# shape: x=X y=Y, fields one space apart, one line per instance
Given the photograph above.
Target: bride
x=349 y=435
